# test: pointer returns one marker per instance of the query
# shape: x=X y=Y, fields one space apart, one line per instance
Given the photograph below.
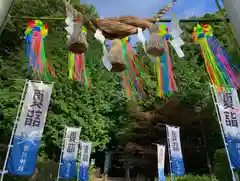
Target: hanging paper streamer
x=99 y=36
x=133 y=75
x=218 y=67
x=36 y=33
x=163 y=67
x=177 y=41
x=77 y=70
x=143 y=41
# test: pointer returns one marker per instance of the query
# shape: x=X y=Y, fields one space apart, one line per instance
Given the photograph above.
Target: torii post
x=232 y=9
x=5 y=6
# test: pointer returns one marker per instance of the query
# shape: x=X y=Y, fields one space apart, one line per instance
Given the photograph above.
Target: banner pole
x=169 y=154
x=60 y=160
x=13 y=131
x=79 y=158
x=221 y=128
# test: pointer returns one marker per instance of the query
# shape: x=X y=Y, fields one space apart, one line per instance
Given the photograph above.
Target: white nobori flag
x=175 y=149
x=26 y=141
x=70 y=151
x=161 y=161
x=86 y=148
x=228 y=104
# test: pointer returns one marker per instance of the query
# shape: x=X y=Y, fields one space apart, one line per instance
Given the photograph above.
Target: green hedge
x=192 y=178
x=221 y=166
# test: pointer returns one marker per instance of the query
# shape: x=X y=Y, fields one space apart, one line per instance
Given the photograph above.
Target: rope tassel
x=36 y=33
x=220 y=72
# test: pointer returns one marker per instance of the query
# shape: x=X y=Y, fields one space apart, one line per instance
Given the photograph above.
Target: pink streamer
x=172 y=84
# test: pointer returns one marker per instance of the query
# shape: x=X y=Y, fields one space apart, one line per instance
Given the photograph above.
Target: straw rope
x=122 y=26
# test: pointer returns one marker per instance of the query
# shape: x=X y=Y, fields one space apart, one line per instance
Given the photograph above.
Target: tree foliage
x=95 y=110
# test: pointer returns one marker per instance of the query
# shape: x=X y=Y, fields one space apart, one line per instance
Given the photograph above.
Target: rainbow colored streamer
x=220 y=72
x=77 y=70
x=163 y=67
x=36 y=33
x=133 y=75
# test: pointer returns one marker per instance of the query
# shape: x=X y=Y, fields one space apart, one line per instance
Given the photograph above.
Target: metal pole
x=13 y=131
x=79 y=158
x=169 y=154
x=60 y=161
x=221 y=128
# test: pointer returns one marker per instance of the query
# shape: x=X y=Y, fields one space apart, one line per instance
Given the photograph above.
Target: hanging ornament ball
x=202 y=31
x=116 y=57
x=155 y=44
x=36 y=25
x=163 y=31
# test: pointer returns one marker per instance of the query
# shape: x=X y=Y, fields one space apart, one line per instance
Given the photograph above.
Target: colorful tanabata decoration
x=163 y=63
x=77 y=69
x=163 y=66
x=220 y=72
x=133 y=75
x=36 y=33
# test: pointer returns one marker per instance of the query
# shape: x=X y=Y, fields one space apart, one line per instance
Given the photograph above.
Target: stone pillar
x=5 y=6
x=232 y=8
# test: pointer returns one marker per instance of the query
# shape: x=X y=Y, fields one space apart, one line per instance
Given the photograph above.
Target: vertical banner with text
x=26 y=142
x=228 y=104
x=68 y=168
x=161 y=162
x=86 y=148
x=175 y=150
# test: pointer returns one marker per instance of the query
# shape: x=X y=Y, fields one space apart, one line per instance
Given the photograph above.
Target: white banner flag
x=161 y=155
x=161 y=162
x=30 y=127
x=71 y=143
x=86 y=148
x=34 y=110
x=70 y=151
x=176 y=151
x=228 y=104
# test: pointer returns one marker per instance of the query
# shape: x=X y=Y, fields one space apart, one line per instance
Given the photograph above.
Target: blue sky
x=143 y=8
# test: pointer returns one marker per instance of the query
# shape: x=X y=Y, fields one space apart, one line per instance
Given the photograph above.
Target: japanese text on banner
x=85 y=153
x=228 y=103
x=34 y=111
x=71 y=143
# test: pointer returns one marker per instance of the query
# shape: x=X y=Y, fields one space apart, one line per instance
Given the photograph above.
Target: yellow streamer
x=71 y=61
x=157 y=68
